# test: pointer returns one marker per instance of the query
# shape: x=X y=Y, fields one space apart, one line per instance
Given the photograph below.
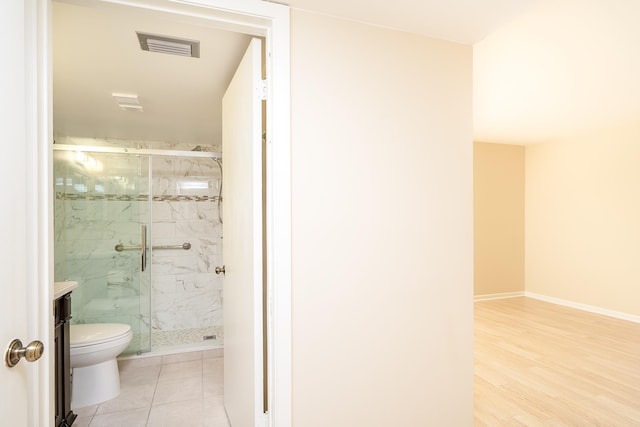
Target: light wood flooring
x=541 y=364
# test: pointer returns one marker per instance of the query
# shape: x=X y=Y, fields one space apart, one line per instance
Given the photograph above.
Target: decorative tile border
x=134 y=198
x=167 y=198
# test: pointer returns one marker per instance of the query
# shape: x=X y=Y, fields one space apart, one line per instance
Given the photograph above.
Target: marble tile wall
x=94 y=212
x=187 y=294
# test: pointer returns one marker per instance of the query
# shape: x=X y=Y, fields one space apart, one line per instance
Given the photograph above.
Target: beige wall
x=547 y=77
x=583 y=219
x=498 y=208
x=382 y=227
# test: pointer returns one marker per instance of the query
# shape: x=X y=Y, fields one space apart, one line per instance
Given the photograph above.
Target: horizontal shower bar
x=120 y=247
x=143 y=151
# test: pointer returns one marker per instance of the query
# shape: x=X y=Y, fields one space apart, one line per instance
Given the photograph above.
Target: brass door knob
x=220 y=270
x=32 y=352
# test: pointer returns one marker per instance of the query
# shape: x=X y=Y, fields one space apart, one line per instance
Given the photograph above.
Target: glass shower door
x=102 y=214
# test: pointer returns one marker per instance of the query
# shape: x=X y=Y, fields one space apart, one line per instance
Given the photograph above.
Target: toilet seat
x=92 y=338
x=92 y=334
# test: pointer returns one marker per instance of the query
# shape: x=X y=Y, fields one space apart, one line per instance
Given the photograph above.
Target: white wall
x=583 y=219
x=382 y=227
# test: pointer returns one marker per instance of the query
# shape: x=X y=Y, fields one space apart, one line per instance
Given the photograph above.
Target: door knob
x=16 y=351
x=220 y=270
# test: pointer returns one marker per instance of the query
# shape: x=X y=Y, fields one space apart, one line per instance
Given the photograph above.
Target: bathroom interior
x=138 y=183
x=102 y=202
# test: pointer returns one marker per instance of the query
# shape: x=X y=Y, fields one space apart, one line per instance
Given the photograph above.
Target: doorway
x=275 y=30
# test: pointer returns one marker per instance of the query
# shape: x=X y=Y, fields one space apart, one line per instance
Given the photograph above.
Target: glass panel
x=102 y=200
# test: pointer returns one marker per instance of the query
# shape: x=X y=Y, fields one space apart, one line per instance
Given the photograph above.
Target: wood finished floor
x=541 y=364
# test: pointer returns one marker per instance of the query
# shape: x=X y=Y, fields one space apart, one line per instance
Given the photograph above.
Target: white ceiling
x=562 y=70
x=461 y=21
x=543 y=69
x=96 y=53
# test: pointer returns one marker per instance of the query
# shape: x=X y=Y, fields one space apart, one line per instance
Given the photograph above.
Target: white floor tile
x=82 y=422
x=178 y=390
x=188 y=390
x=214 y=412
x=212 y=385
x=140 y=362
x=182 y=357
x=135 y=418
x=213 y=366
x=87 y=411
x=132 y=376
x=180 y=370
x=216 y=352
x=132 y=397
x=186 y=413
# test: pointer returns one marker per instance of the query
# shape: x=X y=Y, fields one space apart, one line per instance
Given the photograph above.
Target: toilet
x=93 y=351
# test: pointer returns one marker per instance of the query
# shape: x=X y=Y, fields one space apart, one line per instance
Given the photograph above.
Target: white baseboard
x=487 y=297
x=585 y=307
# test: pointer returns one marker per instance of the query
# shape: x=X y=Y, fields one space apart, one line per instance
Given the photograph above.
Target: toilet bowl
x=93 y=351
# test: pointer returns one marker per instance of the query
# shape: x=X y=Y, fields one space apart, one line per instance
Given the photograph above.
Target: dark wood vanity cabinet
x=62 y=313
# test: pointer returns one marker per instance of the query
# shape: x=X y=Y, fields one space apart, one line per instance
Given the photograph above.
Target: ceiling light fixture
x=170 y=45
x=128 y=102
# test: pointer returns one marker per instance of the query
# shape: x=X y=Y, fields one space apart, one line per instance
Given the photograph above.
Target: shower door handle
x=143 y=245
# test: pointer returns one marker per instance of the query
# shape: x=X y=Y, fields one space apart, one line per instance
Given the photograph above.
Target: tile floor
x=181 y=389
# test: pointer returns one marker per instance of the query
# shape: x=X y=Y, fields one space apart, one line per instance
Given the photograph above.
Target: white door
x=242 y=208
x=19 y=392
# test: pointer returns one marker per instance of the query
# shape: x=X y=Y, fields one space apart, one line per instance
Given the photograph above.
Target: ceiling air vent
x=170 y=45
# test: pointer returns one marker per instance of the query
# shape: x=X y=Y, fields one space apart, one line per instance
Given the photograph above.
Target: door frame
x=254 y=17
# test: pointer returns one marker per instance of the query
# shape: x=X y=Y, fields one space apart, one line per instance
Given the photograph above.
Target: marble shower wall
x=186 y=291
x=95 y=211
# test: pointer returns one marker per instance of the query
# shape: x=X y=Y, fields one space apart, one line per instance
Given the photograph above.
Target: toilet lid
x=88 y=333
